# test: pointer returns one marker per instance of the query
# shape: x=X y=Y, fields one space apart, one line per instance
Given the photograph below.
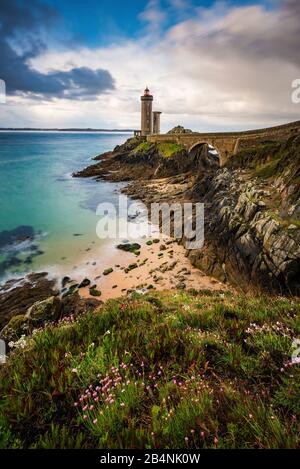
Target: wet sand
x=161 y=265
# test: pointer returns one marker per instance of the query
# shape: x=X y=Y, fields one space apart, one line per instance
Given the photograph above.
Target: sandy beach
x=160 y=265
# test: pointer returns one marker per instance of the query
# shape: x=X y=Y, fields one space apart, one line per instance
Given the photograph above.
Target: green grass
x=165 y=149
x=267 y=170
x=169 y=149
x=164 y=370
x=143 y=147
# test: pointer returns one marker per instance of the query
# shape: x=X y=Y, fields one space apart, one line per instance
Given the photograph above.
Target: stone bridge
x=229 y=143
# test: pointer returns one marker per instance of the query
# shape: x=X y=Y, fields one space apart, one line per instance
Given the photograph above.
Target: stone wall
x=229 y=143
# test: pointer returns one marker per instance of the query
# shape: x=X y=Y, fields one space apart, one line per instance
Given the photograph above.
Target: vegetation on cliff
x=161 y=149
x=168 y=370
x=273 y=162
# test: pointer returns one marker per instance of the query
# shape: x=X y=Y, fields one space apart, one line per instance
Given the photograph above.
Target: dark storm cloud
x=22 y=26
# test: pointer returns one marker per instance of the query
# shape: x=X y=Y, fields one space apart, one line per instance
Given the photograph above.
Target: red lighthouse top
x=146 y=91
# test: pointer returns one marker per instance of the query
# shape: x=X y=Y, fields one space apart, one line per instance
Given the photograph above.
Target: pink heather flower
x=250 y=416
x=202 y=434
x=216 y=441
x=91 y=407
x=75 y=404
x=192 y=431
x=84 y=417
x=186 y=439
x=95 y=421
x=85 y=408
x=111 y=401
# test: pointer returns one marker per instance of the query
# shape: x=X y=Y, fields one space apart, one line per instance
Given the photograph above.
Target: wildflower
x=91 y=407
x=216 y=441
x=75 y=404
x=250 y=416
x=85 y=408
x=122 y=404
x=202 y=434
x=192 y=432
x=186 y=439
x=95 y=421
x=84 y=417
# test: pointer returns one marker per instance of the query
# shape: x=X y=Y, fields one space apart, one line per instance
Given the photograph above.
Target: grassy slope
x=272 y=160
x=165 y=149
x=164 y=370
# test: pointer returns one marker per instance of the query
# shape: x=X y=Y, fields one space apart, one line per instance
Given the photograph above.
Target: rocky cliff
x=252 y=206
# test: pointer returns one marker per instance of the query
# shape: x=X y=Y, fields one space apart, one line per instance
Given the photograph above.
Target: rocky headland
x=166 y=356
x=252 y=204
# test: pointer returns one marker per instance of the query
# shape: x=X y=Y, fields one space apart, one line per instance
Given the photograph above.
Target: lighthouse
x=146 y=113
x=150 y=121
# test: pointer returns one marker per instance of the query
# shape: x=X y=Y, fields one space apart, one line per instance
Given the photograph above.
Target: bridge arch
x=204 y=154
x=229 y=143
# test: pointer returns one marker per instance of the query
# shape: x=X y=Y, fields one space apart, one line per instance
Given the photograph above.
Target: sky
x=211 y=65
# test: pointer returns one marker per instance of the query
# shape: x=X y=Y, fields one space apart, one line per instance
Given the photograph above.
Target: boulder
x=17 y=295
x=17 y=326
x=46 y=310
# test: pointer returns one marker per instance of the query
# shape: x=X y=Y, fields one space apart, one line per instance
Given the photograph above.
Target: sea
x=47 y=217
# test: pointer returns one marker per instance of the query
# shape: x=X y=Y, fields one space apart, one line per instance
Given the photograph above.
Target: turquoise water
x=47 y=217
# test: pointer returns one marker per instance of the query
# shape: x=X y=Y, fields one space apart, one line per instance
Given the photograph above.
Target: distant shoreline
x=29 y=129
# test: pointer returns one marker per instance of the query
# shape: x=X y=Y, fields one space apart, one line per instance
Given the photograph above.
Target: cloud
x=153 y=15
x=224 y=68
x=20 y=42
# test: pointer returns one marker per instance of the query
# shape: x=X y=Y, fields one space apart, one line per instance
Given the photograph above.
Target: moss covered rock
x=15 y=328
x=45 y=310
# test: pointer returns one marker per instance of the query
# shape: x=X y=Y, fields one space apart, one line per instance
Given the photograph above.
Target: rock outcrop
x=179 y=129
x=245 y=241
x=31 y=302
x=252 y=205
x=44 y=312
x=17 y=295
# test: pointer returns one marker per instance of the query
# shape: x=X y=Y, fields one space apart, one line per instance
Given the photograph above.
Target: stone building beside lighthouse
x=150 y=121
